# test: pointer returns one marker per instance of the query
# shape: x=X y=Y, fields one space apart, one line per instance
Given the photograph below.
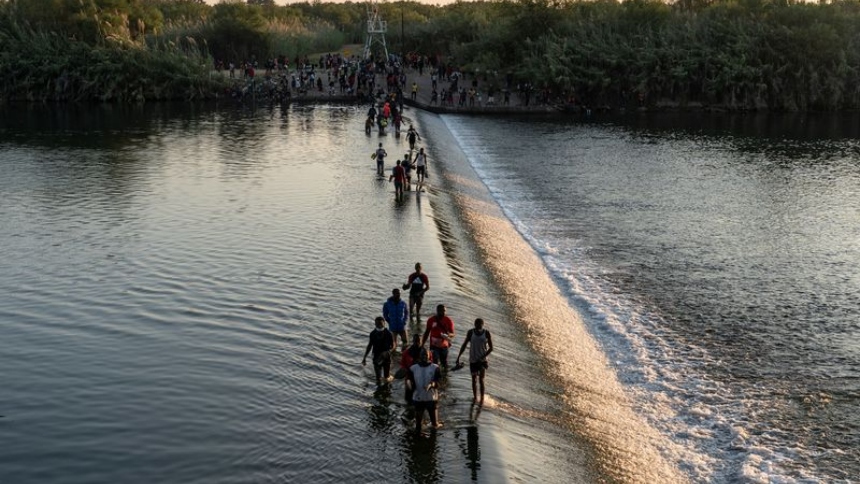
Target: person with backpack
x=480 y=346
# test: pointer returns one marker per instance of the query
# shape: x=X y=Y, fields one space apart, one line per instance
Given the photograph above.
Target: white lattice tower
x=376 y=28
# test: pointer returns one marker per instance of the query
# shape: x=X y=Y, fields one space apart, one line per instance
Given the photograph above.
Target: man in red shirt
x=399 y=177
x=440 y=329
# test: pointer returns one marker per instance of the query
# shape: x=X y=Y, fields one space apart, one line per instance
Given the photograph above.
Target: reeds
x=40 y=66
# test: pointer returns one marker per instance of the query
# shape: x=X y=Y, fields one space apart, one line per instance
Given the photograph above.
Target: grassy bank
x=136 y=51
x=42 y=67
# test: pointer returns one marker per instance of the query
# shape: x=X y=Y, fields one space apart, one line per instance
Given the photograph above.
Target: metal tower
x=376 y=28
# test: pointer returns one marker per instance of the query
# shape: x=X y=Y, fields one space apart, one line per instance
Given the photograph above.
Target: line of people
x=401 y=174
x=424 y=363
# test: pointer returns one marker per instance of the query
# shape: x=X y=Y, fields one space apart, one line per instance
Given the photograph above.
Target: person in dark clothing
x=398 y=174
x=412 y=136
x=381 y=342
x=417 y=283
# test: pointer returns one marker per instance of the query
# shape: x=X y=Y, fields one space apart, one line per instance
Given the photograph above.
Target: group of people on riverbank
x=423 y=364
x=347 y=76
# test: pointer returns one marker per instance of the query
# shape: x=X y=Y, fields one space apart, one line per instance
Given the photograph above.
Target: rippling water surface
x=717 y=261
x=186 y=295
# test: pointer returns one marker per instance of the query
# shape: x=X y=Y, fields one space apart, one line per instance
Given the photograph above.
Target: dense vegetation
x=734 y=54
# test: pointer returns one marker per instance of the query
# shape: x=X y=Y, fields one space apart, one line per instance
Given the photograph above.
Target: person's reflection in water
x=381 y=415
x=473 y=452
x=473 y=449
x=420 y=453
x=418 y=201
x=474 y=412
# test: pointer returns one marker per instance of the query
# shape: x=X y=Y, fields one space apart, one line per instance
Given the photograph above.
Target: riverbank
x=247 y=89
x=482 y=104
x=423 y=96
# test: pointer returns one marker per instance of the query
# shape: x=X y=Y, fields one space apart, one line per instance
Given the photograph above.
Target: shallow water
x=716 y=261
x=186 y=296
x=187 y=291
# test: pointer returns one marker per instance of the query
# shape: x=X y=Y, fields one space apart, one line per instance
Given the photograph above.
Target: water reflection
x=421 y=457
x=156 y=233
x=418 y=201
x=381 y=413
x=238 y=135
x=472 y=450
x=791 y=137
x=117 y=127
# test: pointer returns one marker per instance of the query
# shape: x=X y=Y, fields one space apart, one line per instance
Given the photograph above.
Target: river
x=187 y=292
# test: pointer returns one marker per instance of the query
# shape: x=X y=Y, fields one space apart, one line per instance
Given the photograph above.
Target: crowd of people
x=423 y=363
x=401 y=173
x=380 y=81
x=385 y=84
x=333 y=74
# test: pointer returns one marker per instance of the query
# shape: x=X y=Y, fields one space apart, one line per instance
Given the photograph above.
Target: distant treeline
x=737 y=54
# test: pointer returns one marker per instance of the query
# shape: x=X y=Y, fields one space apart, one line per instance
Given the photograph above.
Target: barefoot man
x=480 y=346
x=418 y=284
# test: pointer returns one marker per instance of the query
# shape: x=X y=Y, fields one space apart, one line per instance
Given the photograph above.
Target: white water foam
x=708 y=422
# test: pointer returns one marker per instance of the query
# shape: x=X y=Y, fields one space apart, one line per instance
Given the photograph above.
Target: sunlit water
x=716 y=262
x=186 y=294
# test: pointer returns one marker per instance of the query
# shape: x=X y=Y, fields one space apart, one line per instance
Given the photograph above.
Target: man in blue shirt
x=396 y=313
